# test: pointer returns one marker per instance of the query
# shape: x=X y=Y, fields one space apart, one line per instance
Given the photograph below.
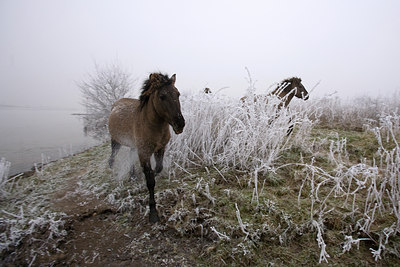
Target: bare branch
x=100 y=90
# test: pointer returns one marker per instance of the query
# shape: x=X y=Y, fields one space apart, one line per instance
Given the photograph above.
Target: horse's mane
x=287 y=81
x=291 y=80
x=153 y=83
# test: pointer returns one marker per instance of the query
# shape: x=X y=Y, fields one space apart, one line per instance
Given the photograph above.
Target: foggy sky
x=46 y=46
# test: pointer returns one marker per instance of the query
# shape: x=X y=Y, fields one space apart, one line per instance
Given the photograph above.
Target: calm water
x=29 y=134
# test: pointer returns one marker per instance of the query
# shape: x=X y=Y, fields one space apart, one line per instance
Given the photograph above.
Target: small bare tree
x=100 y=90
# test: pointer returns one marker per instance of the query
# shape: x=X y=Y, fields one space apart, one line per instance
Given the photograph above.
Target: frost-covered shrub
x=234 y=134
x=100 y=90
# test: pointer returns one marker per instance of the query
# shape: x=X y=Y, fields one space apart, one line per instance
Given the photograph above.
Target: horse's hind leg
x=115 y=146
x=151 y=182
x=159 y=156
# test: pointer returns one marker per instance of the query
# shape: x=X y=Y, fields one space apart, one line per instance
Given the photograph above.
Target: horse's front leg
x=290 y=129
x=149 y=174
x=159 y=156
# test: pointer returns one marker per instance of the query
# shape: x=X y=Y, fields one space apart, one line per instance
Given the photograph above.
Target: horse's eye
x=163 y=97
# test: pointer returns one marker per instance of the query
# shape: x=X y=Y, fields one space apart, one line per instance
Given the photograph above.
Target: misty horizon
x=347 y=47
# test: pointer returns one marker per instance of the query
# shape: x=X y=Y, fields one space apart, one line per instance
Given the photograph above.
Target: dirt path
x=99 y=235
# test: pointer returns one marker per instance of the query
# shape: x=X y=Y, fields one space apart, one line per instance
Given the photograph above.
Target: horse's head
x=300 y=90
x=165 y=99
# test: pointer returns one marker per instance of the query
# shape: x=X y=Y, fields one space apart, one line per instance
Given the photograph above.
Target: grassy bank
x=288 y=216
x=236 y=190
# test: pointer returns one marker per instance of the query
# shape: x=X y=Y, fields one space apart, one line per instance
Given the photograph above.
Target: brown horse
x=144 y=125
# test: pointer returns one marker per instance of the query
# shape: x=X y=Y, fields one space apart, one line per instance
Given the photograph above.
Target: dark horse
x=144 y=125
x=285 y=91
x=289 y=88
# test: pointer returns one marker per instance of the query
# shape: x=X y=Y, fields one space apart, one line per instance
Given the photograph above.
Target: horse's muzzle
x=178 y=125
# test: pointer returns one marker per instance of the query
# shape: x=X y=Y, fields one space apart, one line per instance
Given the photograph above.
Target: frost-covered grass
x=29 y=222
x=239 y=146
x=236 y=183
x=365 y=196
x=25 y=213
x=354 y=113
x=235 y=178
x=4 y=170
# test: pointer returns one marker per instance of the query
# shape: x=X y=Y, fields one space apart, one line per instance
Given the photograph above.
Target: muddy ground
x=97 y=234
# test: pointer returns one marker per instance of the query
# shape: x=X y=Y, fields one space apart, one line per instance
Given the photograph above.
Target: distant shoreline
x=29 y=133
x=40 y=165
x=5 y=106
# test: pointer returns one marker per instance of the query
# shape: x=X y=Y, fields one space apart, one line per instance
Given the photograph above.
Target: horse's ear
x=173 y=78
x=152 y=76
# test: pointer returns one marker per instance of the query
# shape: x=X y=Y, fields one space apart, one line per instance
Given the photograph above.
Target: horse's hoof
x=153 y=217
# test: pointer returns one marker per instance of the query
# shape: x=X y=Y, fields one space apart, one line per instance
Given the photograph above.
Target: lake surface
x=36 y=135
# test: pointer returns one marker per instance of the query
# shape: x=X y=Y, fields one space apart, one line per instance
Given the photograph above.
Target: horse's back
x=121 y=118
x=127 y=103
x=254 y=97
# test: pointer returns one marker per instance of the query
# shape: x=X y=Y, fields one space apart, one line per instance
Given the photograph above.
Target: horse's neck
x=282 y=94
x=289 y=98
x=150 y=116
